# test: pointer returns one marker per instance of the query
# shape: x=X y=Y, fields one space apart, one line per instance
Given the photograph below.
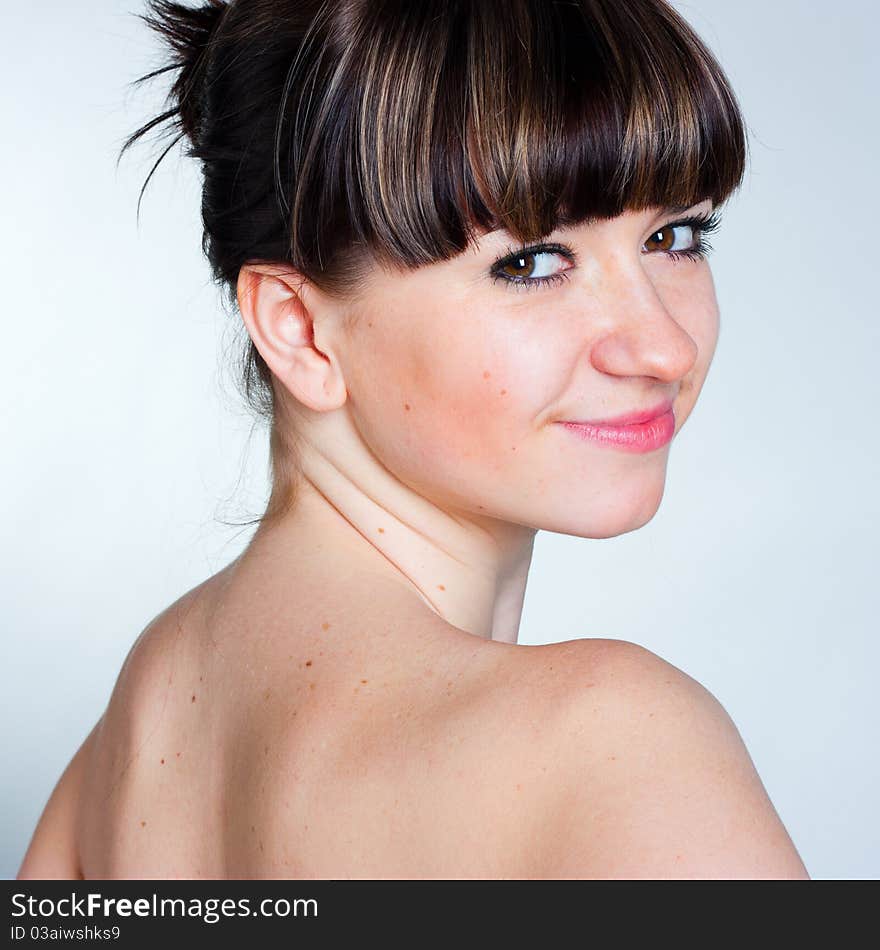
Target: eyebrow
x=666 y=209
x=680 y=209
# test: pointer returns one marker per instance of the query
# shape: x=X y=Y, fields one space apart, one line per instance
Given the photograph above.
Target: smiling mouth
x=627 y=419
x=634 y=437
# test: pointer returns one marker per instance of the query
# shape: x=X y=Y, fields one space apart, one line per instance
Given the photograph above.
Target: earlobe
x=279 y=310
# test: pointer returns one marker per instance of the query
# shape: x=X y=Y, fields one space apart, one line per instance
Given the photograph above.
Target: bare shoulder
x=56 y=848
x=655 y=780
x=52 y=852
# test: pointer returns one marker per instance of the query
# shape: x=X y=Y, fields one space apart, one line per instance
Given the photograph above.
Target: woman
x=467 y=242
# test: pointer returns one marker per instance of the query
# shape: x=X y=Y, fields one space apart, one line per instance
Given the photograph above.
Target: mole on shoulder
x=308 y=662
x=193 y=698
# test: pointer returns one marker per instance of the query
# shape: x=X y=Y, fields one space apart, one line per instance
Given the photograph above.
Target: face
x=460 y=373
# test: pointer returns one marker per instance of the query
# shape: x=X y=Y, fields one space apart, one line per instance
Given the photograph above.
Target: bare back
x=268 y=726
x=363 y=740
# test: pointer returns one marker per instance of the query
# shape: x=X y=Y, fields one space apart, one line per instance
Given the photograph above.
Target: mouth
x=629 y=418
x=638 y=432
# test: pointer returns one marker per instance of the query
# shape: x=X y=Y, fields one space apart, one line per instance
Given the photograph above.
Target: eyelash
x=700 y=224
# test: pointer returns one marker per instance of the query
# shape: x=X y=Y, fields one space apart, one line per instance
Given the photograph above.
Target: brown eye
x=520 y=266
x=674 y=238
x=665 y=239
x=529 y=268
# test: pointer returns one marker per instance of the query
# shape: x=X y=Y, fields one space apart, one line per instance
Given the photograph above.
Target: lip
x=654 y=429
x=630 y=418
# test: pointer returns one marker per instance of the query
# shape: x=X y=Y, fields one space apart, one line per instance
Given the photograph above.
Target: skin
x=347 y=697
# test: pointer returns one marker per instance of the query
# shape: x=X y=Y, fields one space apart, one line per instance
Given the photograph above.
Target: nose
x=643 y=338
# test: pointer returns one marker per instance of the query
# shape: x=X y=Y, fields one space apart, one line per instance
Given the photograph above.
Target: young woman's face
x=459 y=382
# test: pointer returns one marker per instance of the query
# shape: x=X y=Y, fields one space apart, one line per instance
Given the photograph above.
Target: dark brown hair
x=337 y=134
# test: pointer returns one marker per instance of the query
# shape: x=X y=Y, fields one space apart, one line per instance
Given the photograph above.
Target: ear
x=282 y=311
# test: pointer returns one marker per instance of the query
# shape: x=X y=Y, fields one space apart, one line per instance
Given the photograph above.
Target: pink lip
x=635 y=432
x=629 y=418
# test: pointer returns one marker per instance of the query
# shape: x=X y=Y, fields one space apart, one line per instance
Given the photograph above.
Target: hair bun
x=190 y=32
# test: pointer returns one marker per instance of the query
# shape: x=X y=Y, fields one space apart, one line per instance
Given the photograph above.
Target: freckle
x=440 y=587
x=308 y=662
x=503 y=392
x=169 y=680
x=311 y=685
x=357 y=689
x=486 y=374
x=177 y=754
x=370 y=325
x=193 y=699
x=253 y=827
x=406 y=406
x=513 y=447
x=200 y=679
x=612 y=758
x=265 y=750
x=261 y=846
x=143 y=824
x=381 y=531
x=161 y=761
x=363 y=681
x=325 y=626
x=266 y=695
x=518 y=786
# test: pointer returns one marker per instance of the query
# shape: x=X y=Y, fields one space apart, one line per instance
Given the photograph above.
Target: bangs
x=447 y=119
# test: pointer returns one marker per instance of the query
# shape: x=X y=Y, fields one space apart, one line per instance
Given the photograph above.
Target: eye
x=532 y=267
x=685 y=238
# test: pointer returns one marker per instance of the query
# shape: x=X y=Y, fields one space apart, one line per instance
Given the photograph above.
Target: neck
x=468 y=569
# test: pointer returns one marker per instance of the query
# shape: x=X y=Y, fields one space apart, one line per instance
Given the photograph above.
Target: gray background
x=125 y=447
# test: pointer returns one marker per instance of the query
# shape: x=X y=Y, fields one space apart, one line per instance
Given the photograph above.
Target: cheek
x=702 y=322
x=696 y=311
x=454 y=401
x=472 y=404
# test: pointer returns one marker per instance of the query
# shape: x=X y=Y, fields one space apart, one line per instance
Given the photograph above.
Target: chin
x=619 y=515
